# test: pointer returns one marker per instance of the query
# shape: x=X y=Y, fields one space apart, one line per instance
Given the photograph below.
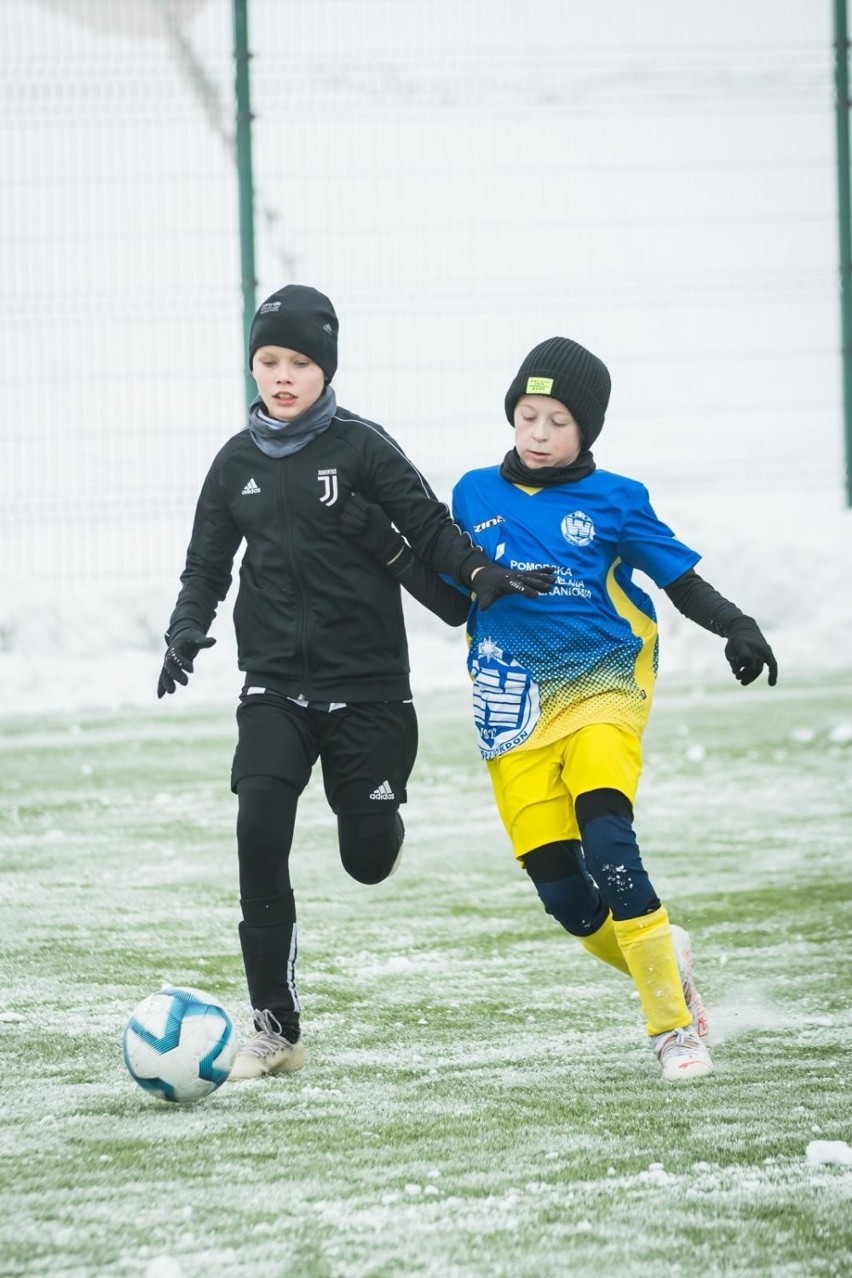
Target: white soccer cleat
x=694 y=1001
x=682 y=1055
x=268 y=1053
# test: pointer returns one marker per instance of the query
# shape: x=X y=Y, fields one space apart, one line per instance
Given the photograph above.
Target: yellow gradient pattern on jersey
x=643 y=628
x=604 y=695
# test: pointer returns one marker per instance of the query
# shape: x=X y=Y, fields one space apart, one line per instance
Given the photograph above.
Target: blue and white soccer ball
x=179 y=1044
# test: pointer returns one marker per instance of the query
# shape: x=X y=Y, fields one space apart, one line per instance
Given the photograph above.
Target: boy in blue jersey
x=563 y=684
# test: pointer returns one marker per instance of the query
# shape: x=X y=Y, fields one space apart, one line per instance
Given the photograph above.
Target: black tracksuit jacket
x=315 y=616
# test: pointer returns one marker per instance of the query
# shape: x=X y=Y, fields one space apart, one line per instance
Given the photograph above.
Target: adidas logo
x=251 y=487
x=383 y=791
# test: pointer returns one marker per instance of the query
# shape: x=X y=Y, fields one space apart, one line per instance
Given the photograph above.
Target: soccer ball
x=179 y=1044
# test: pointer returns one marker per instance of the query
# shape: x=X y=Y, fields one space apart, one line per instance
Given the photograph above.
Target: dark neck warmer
x=280 y=439
x=517 y=472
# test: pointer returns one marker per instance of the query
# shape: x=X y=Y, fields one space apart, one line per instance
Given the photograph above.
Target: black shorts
x=367 y=749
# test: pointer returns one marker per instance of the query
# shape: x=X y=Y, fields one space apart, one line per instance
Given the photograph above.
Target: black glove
x=368 y=524
x=180 y=654
x=492 y=582
x=748 y=652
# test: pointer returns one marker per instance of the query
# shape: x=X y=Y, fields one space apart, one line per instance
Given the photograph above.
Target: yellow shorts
x=535 y=788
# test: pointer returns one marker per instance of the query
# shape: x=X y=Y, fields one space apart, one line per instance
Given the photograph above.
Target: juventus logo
x=328 y=479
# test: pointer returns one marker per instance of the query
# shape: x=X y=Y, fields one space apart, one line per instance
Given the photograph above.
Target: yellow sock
x=646 y=944
x=604 y=945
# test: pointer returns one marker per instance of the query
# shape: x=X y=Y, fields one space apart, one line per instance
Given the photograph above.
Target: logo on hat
x=269 y=306
x=578 y=529
x=539 y=385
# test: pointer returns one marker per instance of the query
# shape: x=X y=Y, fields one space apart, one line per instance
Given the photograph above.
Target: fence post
x=245 y=179
x=844 y=223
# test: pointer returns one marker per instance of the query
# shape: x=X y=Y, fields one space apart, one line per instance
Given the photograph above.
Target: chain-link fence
x=464 y=178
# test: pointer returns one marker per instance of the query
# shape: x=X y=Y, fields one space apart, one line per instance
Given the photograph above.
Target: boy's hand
x=748 y=652
x=180 y=654
x=493 y=582
x=368 y=524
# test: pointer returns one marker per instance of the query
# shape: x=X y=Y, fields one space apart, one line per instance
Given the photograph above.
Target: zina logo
x=578 y=529
x=328 y=479
x=489 y=523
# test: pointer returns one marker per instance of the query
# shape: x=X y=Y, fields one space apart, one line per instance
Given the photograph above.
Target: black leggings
x=369 y=841
x=369 y=849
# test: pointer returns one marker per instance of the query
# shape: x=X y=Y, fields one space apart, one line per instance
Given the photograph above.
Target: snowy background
x=464 y=180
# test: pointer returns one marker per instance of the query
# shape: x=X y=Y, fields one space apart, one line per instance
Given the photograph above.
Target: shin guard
x=646 y=944
x=603 y=944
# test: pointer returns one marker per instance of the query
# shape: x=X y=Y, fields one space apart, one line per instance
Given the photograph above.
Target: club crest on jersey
x=328 y=479
x=506 y=700
x=578 y=529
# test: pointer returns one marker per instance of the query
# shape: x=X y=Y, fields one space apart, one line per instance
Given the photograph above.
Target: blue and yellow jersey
x=587 y=652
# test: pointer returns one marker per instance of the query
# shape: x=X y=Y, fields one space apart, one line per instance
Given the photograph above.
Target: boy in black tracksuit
x=320 y=635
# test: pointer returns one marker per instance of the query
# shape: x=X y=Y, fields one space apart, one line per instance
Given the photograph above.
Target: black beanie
x=301 y=319
x=568 y=372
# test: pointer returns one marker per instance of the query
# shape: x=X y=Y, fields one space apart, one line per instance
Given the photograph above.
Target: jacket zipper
x=302 y=647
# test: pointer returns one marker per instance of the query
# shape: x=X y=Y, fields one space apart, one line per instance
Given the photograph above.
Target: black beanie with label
x=568 y=372
x=301 y=319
